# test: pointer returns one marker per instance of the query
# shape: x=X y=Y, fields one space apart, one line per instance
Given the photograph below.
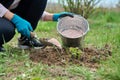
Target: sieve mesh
x=72 y=27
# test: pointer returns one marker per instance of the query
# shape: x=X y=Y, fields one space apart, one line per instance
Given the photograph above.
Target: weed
x=75 y=52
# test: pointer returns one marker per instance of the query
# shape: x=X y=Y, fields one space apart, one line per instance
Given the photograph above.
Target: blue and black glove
x=56 y=16
x=23 y=26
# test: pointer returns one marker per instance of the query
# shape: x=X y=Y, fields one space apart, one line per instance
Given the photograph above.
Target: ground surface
x=89 y=56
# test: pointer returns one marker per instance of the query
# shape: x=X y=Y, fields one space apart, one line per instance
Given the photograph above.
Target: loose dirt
x=90 y=56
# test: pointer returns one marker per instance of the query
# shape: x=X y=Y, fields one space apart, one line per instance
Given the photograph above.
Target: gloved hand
x=56 y=16
x=23 y=26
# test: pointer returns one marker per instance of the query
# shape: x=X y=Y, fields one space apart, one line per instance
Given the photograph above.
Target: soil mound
x=90 y=56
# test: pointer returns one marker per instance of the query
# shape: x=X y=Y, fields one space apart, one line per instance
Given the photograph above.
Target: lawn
x=15 y=64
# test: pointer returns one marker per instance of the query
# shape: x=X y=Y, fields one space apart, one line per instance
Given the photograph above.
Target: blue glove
x=23 y=26
x=56 y=16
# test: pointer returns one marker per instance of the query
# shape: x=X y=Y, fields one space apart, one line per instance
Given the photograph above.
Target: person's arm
x=4 y=12
x=47 y=16
x=22 y=25
x=54 y=17
x=8 y=15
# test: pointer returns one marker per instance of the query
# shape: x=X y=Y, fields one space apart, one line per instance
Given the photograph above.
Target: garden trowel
x=48 y=42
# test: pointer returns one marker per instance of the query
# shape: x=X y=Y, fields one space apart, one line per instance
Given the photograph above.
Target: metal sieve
x=72 y=30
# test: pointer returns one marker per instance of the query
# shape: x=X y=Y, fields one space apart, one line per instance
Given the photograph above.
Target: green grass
x=104 y=29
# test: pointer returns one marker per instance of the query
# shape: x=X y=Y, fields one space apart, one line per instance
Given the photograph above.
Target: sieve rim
x=84 y=33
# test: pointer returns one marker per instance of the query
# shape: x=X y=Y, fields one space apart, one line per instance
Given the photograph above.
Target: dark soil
x=90 y=56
